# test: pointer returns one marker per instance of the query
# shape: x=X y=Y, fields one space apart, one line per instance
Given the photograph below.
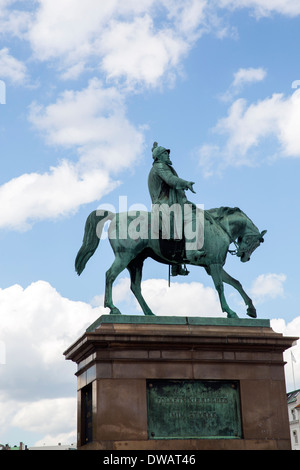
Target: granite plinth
x=120 y=355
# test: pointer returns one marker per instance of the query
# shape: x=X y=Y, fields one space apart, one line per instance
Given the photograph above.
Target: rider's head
x=160 y=154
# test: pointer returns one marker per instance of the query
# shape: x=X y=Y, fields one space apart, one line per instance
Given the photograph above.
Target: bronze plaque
x=189 y=409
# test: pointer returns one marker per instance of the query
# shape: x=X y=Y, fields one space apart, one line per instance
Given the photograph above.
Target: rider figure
x=166 y=188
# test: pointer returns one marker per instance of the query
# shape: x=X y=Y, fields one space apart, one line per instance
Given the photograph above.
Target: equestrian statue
x=176 y=232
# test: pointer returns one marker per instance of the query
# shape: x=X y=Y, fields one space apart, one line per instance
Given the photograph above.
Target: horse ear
x=262 y=234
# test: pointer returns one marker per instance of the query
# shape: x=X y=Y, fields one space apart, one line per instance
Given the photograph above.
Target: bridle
x=237 y=246
x=232 y=252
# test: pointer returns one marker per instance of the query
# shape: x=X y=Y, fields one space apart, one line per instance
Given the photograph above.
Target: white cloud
x=141 y=42
x=277 y=116
x=139 y=53
x=292 y=369
x=189 y=16
x=37 y=383
x=47 y=415
x=247 y=126
x=268 y=286
x=93 y=124
x=180 y=299
x=12 y=68
x=33 y=196
x=52 y=418
x=249 y=75
x=264 y=7
x=52 y=33
x=37 y=325
x=241 y=78
x=12 y=20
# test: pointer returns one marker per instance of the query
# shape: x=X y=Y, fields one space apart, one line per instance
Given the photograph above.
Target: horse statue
x=222 y=227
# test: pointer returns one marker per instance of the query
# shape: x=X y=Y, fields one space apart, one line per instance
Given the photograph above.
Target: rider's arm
x=167 y=175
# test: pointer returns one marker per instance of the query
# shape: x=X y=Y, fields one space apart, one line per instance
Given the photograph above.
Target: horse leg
x=116 y=268
x=251 y=311
x=135 y=271
x=215 y=270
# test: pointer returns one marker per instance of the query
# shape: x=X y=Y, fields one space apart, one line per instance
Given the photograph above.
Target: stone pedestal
x=191 y=363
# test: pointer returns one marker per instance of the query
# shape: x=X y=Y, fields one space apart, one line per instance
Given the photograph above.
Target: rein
x=232 y=252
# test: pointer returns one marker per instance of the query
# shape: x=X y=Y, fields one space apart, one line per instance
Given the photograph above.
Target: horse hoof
x=115 y=311
x=251 y=312
x=232 y=314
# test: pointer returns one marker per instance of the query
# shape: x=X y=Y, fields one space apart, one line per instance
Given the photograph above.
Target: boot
x=178 y=270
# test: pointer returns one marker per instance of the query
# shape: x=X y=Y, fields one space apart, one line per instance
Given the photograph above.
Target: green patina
x=176 y=320
x=193 y=409
x=132 y=240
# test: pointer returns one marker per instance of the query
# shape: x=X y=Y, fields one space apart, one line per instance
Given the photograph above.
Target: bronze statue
x=167 y=191
x=220 y=227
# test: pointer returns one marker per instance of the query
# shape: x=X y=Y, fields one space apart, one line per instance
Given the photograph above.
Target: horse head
x=248 y=243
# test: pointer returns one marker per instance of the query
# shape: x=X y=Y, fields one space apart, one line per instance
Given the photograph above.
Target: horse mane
x=221 y=212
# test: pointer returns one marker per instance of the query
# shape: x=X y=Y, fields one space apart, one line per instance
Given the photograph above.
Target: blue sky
x=89 y=87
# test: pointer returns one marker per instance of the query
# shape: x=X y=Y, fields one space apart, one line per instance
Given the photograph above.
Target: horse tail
x=91 y=238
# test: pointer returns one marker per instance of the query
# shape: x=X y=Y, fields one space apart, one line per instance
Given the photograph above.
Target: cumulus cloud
x=180 y=299
x=47 y=416
x=53 y=418
x=92 y=123
x=14 y=21
x=142 y=42
x=264 y=7
x=124 y=39
x=38 y=386
x=268 y=286
x=247 y=126
x=292 y=369
x=34 y=196
x=138 y=53
x=37 y=325
x=12 y=68
x=249 y=75
x=277 y=116
x=242 y=77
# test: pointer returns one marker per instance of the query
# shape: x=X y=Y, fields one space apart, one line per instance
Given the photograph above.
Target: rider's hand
x=190 y=186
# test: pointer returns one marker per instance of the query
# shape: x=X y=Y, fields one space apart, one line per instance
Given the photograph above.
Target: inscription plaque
x=183 y=409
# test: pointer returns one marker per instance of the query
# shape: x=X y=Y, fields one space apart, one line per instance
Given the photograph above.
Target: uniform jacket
x=165 y=186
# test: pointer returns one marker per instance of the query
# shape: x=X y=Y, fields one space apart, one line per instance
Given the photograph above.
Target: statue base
x=181 y=383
